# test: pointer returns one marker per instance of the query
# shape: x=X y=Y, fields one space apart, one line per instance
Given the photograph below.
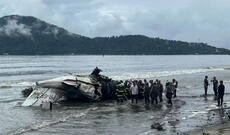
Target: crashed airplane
x=93 y=87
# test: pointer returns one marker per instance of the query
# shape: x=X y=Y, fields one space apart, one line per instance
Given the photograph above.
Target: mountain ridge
x=27 y=35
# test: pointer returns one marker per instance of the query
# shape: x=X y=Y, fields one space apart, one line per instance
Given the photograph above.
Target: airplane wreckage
x=93 y=87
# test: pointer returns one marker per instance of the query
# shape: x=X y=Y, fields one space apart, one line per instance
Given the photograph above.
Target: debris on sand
x=158 y=126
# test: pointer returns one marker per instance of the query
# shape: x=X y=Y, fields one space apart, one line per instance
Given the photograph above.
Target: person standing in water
x=221 y=90
x=120 y=94
x=169 y=92
x=146 y=91
x=161 y=88
x=134 y=91
x=154 y=93
x=206 y=85
x=140 y=86
x=174 y=84
x=215 y=86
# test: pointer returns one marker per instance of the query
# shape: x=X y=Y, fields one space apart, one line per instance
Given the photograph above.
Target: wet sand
x=221 y=129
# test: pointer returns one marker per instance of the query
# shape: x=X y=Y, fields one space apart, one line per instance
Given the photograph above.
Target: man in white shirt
x=134 y=91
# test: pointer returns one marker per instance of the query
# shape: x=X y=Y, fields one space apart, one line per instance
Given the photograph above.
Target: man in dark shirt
x=147 y=91
x=154 y=93
x=169 y=92
x=206 y=85
x=221 y=90
x=160 y=87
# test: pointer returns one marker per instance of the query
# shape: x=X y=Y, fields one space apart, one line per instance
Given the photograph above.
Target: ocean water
x=189 y=112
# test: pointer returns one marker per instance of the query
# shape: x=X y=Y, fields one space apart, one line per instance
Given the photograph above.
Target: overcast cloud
x=188 y=20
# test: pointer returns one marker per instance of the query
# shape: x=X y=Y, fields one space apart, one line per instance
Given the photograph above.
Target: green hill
x=25 y=35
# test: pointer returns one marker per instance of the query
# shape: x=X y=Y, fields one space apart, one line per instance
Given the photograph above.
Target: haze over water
x=19 y=72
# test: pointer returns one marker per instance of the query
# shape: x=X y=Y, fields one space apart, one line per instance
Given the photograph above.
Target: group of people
x=151 y=91
x=218 y=89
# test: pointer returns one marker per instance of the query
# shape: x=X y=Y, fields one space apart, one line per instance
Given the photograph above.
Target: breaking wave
x=25 y=67
x=224 y=68
x=126 y=76
x=20 y=73
x=39 y=125
x=16 y=84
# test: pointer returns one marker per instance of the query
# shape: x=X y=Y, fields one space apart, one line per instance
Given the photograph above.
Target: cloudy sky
x=188 y=20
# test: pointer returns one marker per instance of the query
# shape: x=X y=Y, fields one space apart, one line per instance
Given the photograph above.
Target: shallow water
x=189 y=112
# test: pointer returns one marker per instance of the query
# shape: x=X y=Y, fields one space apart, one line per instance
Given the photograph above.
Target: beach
x=190 y=113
